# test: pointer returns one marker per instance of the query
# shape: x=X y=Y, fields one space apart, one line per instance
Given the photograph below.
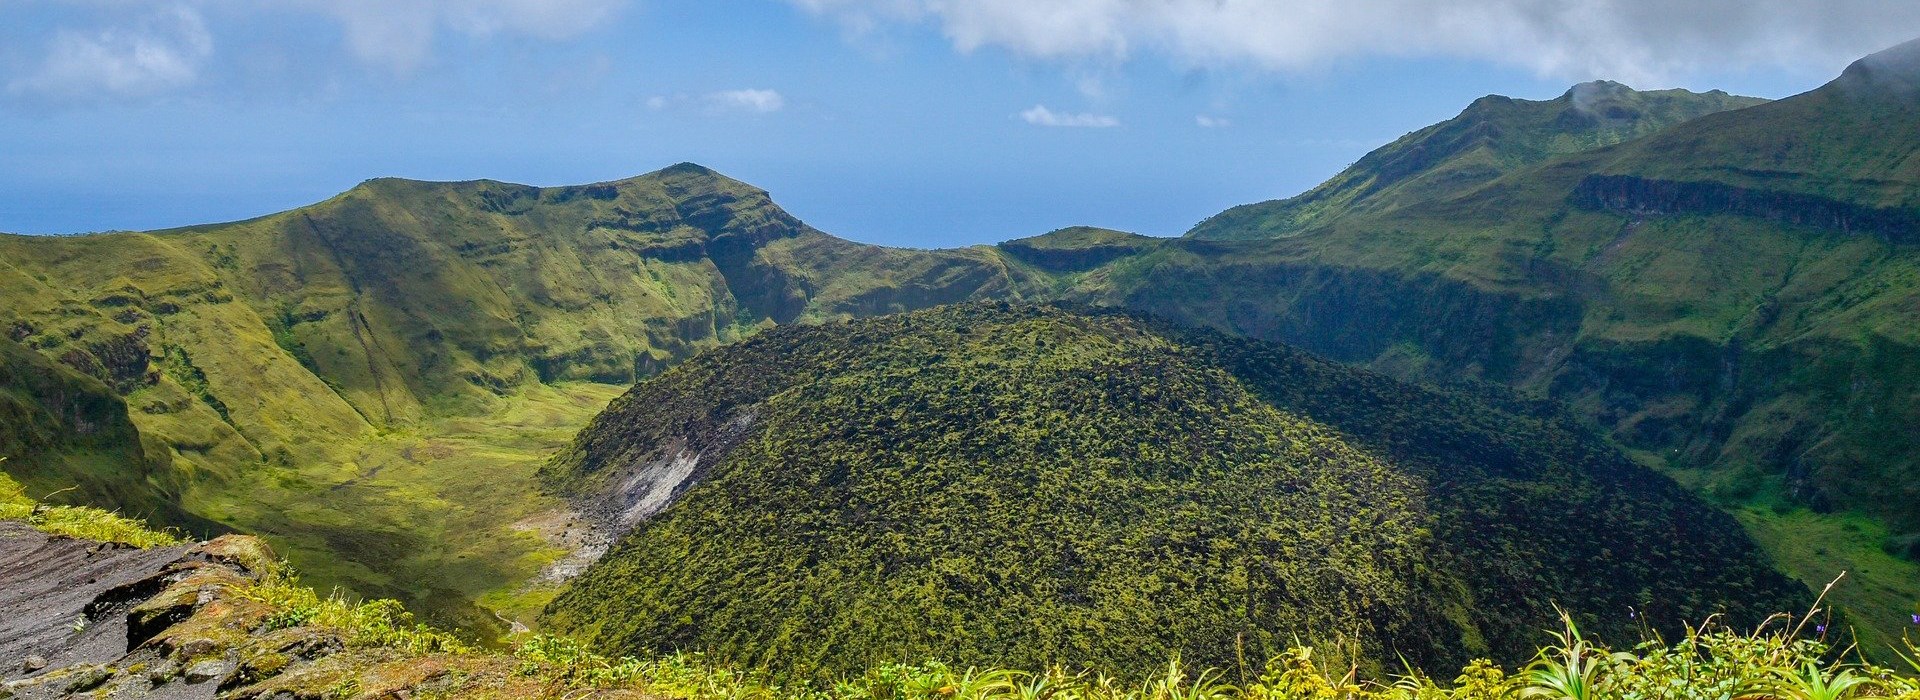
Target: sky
x=923 y=123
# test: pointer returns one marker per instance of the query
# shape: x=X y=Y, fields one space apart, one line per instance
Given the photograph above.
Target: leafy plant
x=1573 y=669
x=1810 y=682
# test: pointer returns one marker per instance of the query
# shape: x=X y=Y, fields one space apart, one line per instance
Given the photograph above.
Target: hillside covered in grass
x=1731 y=294
x=1493 y=137
x=1731 y=298
x=1035 y=485
x=371 y=380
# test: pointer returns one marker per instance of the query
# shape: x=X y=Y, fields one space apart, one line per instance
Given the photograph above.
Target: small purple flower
x=1631 y=615
x=1822 y=629
x=1916 y=618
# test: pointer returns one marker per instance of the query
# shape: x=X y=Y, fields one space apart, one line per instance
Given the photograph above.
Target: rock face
x=78 y=616
x=1640 y=196
x=220 y=619
x=63 y=602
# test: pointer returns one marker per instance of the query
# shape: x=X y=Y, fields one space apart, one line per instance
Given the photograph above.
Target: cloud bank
x=742 y=101
x=99 y=50
x=155 y=53
x=1632 y=40
x=1039 y=115
x=759 y=101
x=399 y=34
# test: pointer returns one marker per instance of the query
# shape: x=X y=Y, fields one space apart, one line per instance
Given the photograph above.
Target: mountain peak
x=1492 y=137
x=679 y=172
x=1896 y=70
x=1593 y=88
x=687 y=176
x=688 y=168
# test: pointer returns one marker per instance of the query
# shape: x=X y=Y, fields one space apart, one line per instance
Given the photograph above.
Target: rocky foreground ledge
x=87 y=619
x=101 y=618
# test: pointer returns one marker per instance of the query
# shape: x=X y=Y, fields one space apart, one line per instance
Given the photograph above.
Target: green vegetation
x=374 y=623
x=370 y=381
x=994 y=484
x=1493 y=137
x=1876 y=582
x=77 y=521
x=1778 y=661
x=283 y=639
x=69 y=436
x=1730 y=293
x=1730 y=297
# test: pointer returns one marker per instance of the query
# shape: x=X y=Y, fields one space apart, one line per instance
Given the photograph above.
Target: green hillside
x=1847 y=155
x=1493 y=137
x=69 y=438
x=370 y=381
x=1730 y=298
x=989 y=483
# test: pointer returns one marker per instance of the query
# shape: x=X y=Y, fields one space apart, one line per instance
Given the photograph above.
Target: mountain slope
x=1034 y=484
x=1494 y=136
x=1731 y=298
x=68 y=435
x=371 y=380
x=1846 y=164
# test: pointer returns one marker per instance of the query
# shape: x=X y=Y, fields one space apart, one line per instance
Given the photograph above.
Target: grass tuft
x=77 y=521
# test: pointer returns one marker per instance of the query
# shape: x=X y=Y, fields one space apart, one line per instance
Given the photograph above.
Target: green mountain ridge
x=1493 y=137
x=1842 y=168
x=371 y=380
x=1038 y=484
x=1731 y=298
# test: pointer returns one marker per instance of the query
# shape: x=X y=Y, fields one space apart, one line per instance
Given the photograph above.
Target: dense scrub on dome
x=1039 y=485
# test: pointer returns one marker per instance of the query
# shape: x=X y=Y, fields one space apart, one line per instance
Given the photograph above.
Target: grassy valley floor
x=1880 y=591
x=444 y=515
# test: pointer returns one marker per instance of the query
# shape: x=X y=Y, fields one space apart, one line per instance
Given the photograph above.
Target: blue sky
x=904 y=122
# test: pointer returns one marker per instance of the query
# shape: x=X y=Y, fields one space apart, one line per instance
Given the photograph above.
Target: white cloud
x=750 y=101
x=1207 y=122
x=163 y=51
x=758 y=101
x=1042 y=116
x=399 y=34
x=144 y=49
x=1633 y=40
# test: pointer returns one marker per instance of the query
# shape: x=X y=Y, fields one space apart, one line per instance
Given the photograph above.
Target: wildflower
x=1916 y=618
x=1822 y=629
